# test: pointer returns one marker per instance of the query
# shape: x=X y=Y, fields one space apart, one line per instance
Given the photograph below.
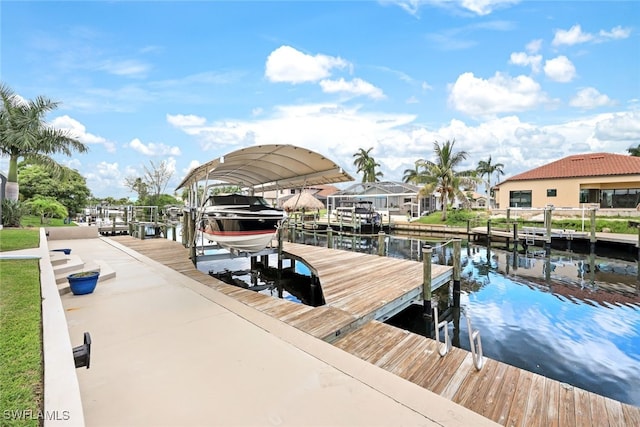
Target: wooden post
x=592 y=238
x=329 y=238
x=141 y=231
x=638 y=283
x=191 y=231
x=279 y=273
x=185 y=227
x=488 y=231
x=457 y=247
x=426 y=281
x=547 y=220
x=515 y=236
x=381 y=236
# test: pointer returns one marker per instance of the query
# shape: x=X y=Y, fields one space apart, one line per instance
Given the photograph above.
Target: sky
x=521 y=82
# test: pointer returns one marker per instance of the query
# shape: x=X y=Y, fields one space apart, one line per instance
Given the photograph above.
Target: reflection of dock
x=505 y=394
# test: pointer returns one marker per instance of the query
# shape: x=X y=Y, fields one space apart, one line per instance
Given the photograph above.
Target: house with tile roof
x=604 y=180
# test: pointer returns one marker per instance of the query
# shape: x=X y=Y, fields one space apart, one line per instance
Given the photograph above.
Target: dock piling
x=547 y=221
x=381 y=238
x=457 y=245
x=426 y=281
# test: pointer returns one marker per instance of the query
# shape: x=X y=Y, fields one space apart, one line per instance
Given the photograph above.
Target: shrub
x=12 y=212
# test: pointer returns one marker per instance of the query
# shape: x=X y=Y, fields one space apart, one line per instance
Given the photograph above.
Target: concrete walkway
x=169 y=351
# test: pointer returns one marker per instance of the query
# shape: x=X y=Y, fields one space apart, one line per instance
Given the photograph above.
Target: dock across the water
x=355 y=287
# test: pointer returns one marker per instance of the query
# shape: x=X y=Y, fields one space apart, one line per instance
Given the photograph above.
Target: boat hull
x=242 y=232
x=254 y=241
x=240 y=222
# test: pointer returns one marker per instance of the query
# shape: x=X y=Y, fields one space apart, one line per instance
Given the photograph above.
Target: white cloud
x=571 y=37
x=338 y=131
x=106 y=178
x=355 y=87
x=180 y=120
x=479 y=7
x=79 y=131
x=534 y=46
x=153 y=149
x=286 y=64
x=130 y=68
x=615 y=33
x=499 y=94
x=426 y=86
x=575 y=35
x=485 y=7
x=560 y=69
x=620 y=127
x=525 y=60
x=588 y=98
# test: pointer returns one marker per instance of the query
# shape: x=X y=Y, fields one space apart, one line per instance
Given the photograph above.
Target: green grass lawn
x=35 y=221
x=21 y=366
x=12 y=239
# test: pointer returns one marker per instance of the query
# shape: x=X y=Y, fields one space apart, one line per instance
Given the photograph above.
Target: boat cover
x=269 y=167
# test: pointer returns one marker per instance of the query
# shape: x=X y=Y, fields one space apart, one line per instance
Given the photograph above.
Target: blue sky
x=525 y=82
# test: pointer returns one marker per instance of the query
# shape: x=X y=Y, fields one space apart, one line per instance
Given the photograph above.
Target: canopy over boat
x=269 y=167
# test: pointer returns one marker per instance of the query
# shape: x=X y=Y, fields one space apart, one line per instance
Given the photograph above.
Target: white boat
x=240 y=222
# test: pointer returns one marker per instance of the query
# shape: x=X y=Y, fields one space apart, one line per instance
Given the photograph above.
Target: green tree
x=46 y=208
x=367 y=165
x=486 y=168
x=70 y=190
x=441 y=176
x=25 y=134
x=634 y=151
x=138 y=186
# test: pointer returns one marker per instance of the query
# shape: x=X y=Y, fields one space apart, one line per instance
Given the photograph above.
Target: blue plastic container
x=83 y=283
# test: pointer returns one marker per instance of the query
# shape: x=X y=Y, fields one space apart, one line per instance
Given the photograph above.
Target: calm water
x=573 y=318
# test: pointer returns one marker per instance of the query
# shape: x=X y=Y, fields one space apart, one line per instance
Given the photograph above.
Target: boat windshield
x=238 y=199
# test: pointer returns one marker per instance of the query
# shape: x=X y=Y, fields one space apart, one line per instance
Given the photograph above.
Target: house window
x=520 y=199
x=552 y=192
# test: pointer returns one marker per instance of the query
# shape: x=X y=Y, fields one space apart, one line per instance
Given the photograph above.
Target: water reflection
x=574 y=318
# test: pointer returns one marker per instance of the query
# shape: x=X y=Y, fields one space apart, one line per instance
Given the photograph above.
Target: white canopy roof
x=267 y=167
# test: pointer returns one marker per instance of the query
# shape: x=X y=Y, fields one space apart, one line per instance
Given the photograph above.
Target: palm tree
x=415 y=175
x=441 y=176
x=634 y=151
x=25 y=134
x=367 y=165
x=488 y=169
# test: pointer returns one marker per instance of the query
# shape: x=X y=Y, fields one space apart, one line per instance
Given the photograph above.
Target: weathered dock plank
x=367 y=286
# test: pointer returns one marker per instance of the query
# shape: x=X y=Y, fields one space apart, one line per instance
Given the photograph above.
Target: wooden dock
x=502 y=393
x=369 y=287
x=536 y=235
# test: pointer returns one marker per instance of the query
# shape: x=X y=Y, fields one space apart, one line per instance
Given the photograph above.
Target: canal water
x=571 y=317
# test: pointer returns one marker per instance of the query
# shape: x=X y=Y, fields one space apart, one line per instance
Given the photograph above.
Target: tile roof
x=589 y=164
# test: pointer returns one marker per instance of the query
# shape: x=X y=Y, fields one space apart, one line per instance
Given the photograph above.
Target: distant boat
x=240 y=222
